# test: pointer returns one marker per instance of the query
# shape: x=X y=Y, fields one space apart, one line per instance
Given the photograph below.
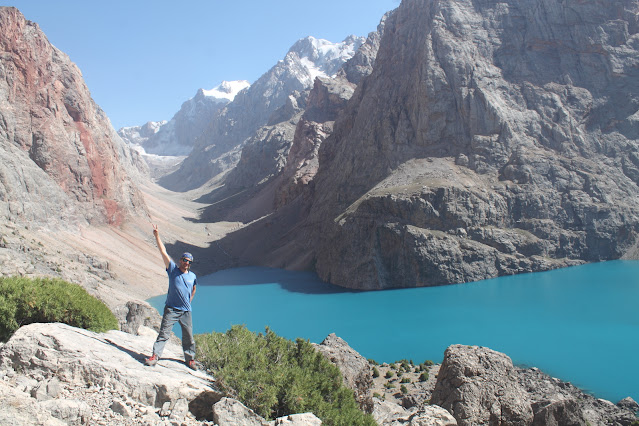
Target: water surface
x=579 y=324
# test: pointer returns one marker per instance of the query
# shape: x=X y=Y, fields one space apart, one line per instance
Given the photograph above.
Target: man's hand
x=165 y=257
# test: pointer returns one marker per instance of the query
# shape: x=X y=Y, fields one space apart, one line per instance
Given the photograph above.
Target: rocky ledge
x=54 y=374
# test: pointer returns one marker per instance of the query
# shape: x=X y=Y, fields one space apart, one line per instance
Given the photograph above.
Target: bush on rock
x=276 y=377
x=24 y=301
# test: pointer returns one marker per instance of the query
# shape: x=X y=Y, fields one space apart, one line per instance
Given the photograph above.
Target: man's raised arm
x=158 y=241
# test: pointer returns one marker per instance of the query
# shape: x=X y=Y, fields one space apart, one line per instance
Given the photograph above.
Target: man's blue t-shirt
x=180 y=288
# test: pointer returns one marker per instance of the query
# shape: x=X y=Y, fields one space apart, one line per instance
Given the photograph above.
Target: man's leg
x=188 y=342
x=168 y=319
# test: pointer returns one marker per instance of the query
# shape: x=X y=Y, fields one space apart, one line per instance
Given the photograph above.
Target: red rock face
x=47 y=112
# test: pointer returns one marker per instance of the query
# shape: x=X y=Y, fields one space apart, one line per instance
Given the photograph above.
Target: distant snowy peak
x=227 y=90
x=321 y=57
x=137 y=135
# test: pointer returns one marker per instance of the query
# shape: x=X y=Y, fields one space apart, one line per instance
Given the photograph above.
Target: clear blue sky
x=141 y=59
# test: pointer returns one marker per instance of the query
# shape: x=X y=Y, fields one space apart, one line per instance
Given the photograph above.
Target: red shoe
x=152 y=361
x=191 y=364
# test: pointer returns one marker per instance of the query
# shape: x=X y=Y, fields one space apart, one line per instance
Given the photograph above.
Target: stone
x=69 y=411
x=629 y=404
x=121 y=408
x=385 y=412
x=479 y=386
x=354 y=367
x=135 y=314
x=179 y=409
x=388 y=413
x=229 y=412
x=565 y=412
x=302 y=419
x=432 y=415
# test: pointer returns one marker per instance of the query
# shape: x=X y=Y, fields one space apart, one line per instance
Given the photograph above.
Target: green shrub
x=24 y=301
x=405 y=380
x=423 y=377
x=275 y=377
x=389 y=386
x=375 y=372
x=403 y=389
x=428 y=363
x=389 y=374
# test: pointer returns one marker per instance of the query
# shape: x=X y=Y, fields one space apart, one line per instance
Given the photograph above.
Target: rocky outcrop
x=133 y=315
x=62 y=162
x=479 y=386
x=100 y=377
x=57 y=374
x=354 y=368
x=561 y=403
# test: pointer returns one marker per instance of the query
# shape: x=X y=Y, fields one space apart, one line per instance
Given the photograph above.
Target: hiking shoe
x=191 y=364
x=152 y=361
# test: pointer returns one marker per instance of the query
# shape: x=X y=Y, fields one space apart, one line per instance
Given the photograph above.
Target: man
x=182 y=285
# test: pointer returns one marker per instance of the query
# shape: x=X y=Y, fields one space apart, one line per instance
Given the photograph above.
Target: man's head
x=186 y=259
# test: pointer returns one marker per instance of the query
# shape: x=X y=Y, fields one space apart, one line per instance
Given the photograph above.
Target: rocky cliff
x=491 y=138
x=62 y=162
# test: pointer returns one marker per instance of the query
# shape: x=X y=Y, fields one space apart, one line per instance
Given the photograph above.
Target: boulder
x=479 y=386
x=135 y=314
x=303 y=419
x=354 y=367
x=229 y=412
x=565 y=412
x=629 y=404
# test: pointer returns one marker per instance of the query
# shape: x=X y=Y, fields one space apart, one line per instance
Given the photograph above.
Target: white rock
x=303 y=419
x=69 y=411
x=229 y=412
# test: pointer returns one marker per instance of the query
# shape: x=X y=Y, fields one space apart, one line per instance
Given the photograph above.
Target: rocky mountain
x=177 y=136
x=218 y=148
x=491 y=138
x=61 y=161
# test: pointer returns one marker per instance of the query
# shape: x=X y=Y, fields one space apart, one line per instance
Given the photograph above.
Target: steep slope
x=62 y=162
x=219 y=147
x=491 y=138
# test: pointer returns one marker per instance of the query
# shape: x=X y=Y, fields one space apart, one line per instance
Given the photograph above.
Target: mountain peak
x=322 y=57
x=226 y=90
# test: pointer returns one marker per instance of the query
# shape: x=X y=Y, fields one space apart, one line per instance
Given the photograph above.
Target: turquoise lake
x=579 y=324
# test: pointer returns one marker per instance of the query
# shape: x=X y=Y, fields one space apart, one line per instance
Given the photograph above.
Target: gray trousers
x=186 y=322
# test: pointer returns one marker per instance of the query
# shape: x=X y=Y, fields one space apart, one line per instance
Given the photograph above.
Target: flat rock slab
x=113 y=360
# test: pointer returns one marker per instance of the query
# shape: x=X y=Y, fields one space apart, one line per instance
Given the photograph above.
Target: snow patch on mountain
x=320 y=58
x=227 y=90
